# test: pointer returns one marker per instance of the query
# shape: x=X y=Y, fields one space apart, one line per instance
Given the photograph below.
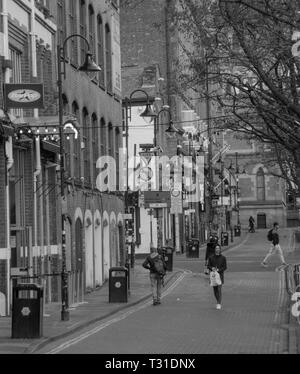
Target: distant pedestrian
x=210 y=250
x=157 y=266
x=217 y=262
x=251 y=224
x=273 y=237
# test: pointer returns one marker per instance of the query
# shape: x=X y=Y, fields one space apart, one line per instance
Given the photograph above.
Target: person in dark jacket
x=275 y=246
x=218 y=262
x=210 y=250
x=156 y=279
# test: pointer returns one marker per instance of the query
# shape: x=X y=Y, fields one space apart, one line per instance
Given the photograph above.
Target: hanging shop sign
x=23 y=95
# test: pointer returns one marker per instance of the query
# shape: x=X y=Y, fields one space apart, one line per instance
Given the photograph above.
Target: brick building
x=150 y=48
x=94 y=232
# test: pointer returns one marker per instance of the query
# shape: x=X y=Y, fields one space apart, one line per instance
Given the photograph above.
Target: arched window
x=92 y=29
x=82 y=29
x=67 y=147
x=100 y=49
x=95 y=145
x=102 y=137
x=108 y=58
x=73 y=30
x=117 y=145
x=86 y=140
x=110 y=140
x=260 y=185
x=76 y=144
x=61 y=21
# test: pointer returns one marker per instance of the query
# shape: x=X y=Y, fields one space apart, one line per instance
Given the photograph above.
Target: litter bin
x=224 y=238
x=27 y=311
x=237 y=230
x=118 y=285
x=168 y=257
x=193 y=248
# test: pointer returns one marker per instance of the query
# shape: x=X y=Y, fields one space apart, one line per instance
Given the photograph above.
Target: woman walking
x=217 y=262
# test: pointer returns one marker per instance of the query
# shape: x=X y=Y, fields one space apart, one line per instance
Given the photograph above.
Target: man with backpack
x=157 y=266
x=273 y=237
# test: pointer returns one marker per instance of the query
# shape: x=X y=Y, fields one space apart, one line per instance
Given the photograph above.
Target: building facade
x=31 y=32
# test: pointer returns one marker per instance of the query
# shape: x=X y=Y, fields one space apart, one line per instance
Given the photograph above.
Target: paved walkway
x=95 y=308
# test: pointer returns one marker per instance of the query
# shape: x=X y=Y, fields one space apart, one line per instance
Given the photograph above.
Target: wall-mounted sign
x=157 y=198
x=23 y=95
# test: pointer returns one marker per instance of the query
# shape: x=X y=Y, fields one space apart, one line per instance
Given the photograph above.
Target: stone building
x=30 y=193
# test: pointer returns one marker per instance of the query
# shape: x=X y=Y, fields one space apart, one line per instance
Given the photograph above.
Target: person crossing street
x=273 y=237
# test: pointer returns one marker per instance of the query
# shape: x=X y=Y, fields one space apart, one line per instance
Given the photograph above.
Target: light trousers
x=274 y=249
x=156 y=284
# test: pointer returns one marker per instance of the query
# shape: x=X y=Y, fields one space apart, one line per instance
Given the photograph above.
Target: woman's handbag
x=215 y=279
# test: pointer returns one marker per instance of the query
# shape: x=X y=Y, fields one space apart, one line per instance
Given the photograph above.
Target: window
x=100 y=49
x=82 y=29
x=95 y=145
x=15 y=73
x=117 y=145
x=108 y=58
x=73 y=30
x=61 y=21
x=102 y=137
x=110 y=140
x=86 y=140
x=76 y=145
x=92 y=30
x=260 y=185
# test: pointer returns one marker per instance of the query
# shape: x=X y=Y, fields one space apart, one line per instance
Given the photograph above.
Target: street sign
x=23 y=95
x=188 y=211
x=158 y=205
x=146 y=146
x=157 y=197
x=17 y=272
x=127 y=216
x=147 y=155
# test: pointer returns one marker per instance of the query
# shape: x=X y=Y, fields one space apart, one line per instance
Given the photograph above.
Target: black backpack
x=158 y=265
x=270 y=235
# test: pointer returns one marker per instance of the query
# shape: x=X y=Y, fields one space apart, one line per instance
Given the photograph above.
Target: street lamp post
x=147 y=113
x=88 y=66
x=237 y=190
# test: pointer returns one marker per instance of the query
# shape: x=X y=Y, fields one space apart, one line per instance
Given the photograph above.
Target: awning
x=6 y=129
x=49 y=146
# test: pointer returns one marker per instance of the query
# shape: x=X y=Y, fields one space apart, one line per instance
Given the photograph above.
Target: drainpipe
x=9 y=158
x=35 y=178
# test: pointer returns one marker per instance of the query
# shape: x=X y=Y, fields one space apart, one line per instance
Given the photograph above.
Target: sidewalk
x=96 y=307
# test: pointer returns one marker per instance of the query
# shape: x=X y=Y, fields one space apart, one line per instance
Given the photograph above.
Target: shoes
x=284 y=264
x=264 y=265
x=218 y=306
x=155 y=302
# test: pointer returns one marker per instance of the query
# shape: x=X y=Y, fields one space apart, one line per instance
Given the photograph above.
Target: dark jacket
x=210 y=250
x=218 y=262
x=275 y=237
x=149 y=263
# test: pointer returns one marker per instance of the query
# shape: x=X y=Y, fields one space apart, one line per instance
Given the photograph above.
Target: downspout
x=37 y=173
x=9 y=158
